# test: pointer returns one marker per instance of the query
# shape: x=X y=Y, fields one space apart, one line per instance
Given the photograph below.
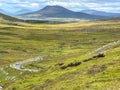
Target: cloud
x=75 y=5
x=108 y=7
x=63 y=3
x=0 y=4
x=34 y=4
x=29 y=5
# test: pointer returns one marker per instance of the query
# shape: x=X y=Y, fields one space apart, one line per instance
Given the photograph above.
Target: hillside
x=58 y=12
x=6 y=18
x=60 y=45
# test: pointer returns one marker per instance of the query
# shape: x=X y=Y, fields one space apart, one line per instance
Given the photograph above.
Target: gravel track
x=18 y=65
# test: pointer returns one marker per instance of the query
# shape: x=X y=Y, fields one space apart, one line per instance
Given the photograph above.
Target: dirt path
x=18 y=65
x=105 y=47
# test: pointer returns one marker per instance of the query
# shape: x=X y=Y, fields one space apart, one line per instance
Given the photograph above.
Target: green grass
x=63 y=43
x=8 y=19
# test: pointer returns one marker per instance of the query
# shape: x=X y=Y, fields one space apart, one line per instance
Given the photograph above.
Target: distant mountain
x=6 y=18
x=59 y=12
x=6 y=13
x=2 y=11
x=101 y=13
x=23 y=11
x=19 y=12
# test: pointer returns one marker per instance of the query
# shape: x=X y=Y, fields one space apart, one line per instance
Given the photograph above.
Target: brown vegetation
x=96 y=69
x=78 y=63
x=71 y=65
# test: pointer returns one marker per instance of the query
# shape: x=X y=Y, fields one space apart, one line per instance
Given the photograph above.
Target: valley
x=62 y=44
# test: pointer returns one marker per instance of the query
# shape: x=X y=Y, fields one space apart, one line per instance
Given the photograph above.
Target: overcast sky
x=75 y=5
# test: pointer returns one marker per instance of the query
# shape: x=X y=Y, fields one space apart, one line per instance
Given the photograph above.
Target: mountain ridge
x=59 y=12
x=101 y=13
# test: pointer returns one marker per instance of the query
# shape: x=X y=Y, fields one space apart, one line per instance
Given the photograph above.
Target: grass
x=63 y=43
x=8 y=19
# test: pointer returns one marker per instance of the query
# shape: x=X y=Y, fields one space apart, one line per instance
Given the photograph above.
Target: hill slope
x=6 y=18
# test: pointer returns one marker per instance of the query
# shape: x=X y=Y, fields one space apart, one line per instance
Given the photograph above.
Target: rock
x=101 y=55
x=1 y=88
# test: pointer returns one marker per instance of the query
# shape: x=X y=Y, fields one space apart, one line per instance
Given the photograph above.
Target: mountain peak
x=54 y=11
x=55 y=8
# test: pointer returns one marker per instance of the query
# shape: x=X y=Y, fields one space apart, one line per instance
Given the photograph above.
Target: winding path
x=18 y=65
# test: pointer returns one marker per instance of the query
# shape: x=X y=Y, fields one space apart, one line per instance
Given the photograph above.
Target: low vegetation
x=66 y=45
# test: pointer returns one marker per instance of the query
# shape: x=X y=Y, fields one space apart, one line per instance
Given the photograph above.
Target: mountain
x=2 y=11
x=59 y=12
x=6 y=18
x=23 y=11
x=7 y=13
x=101 y=13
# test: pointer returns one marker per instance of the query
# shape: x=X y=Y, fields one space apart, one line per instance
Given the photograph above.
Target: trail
x=105 y=47
x=18 y=65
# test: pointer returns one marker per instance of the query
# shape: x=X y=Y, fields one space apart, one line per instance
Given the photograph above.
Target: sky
x=75 y=5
